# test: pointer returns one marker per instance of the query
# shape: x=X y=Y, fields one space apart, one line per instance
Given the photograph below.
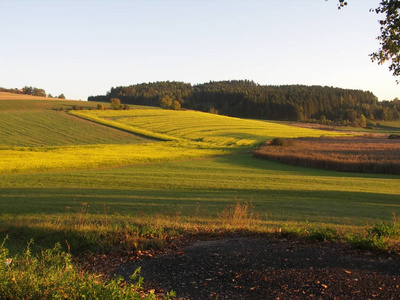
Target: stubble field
x=355 y=154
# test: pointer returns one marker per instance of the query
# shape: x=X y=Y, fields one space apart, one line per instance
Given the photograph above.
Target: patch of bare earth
x=270 y=268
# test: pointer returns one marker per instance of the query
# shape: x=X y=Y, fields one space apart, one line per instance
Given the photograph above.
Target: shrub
x=394 y=137
x=100 y=106
x=175 y=105
x=281 y=142
x=383 y=230
x=368 y=243
x=213 y=110
x=115 y=103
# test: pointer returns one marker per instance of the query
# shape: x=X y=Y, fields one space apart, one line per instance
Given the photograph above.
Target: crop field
x=355 y=154
x=209 y=129
x=31 y=123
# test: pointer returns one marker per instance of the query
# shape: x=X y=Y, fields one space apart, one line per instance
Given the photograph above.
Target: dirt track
x=269 y=268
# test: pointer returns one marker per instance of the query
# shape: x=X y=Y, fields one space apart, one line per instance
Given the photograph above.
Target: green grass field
x=189 y=162
x=283 y=193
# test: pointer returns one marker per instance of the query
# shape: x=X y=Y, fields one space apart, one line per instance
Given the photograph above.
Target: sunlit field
x=179 y=160
x=210 y=129
x=43 y=139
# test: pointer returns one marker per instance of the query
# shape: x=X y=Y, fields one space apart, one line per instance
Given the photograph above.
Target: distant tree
x=175 y=105
x=27 y=90
x=363 y=121
x=39 y=92
x=61 y=96
x=115 y=103
x=212 y=110
x=50 y=96
x=166 y=101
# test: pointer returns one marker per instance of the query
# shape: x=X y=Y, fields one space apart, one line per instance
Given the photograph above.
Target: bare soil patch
x=270 y=268
x=351 y=154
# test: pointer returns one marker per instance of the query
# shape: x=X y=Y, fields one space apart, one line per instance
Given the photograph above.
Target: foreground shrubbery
x=357 y=154
x=51 y=275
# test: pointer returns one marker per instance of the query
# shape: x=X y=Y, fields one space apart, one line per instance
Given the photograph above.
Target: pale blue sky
x=83 y=48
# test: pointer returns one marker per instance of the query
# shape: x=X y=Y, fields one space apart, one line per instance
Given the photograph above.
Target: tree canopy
x=244 y=98
x=389 y=39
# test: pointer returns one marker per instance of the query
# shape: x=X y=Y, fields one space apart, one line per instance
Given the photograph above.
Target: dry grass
x=12 y=96
x=357 y=154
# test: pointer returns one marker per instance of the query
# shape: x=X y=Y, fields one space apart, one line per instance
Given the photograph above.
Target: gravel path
x=268 y=268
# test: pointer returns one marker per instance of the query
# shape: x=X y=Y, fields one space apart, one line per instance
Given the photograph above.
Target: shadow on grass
x=249 y=161
x=279 y=204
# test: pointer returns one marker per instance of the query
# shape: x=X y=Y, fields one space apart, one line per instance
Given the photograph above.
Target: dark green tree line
x=244 y=98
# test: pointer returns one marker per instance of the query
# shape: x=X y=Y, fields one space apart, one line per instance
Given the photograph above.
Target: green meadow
x=154 y=162
x=278 y=192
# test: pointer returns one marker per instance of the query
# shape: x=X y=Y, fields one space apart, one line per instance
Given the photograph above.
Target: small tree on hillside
x=115 y=103
x=100 y=106
x=61 y=96
x=165 y=102
x=363 y=121
x=175 y=105
x=39 y=92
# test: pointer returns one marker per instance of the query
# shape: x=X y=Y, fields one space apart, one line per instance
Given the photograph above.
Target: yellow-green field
x=205 y=128
x=43 y=139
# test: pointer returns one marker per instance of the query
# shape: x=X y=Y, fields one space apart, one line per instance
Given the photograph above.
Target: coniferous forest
x=247 y=99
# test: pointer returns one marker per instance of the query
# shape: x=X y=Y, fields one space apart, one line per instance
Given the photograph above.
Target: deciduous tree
x=389 y=39
x=115 y=103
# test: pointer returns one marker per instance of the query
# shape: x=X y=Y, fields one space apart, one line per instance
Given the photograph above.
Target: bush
x=115 y=103
x=175 y=105
x=383 y=230
x=281 y=142
x=394 y=137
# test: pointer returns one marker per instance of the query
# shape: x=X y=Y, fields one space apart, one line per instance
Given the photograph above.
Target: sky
x=83 y=48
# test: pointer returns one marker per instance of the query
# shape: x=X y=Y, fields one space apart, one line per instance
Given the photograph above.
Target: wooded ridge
x=247 y=99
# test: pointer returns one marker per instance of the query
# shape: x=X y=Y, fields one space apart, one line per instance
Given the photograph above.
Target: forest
x=247 y=99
